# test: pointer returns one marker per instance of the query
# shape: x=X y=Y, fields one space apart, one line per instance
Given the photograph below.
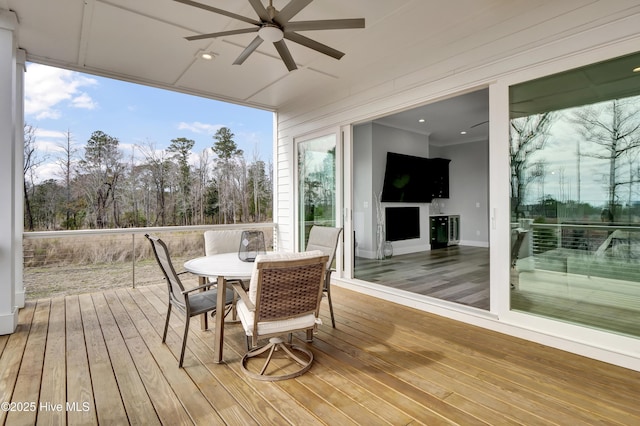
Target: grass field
x=81 y=264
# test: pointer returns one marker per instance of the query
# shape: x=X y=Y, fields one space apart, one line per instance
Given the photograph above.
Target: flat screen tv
x=402 y=223
x=406 y=179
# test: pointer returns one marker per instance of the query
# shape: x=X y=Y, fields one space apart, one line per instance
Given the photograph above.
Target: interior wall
x=364 y=208
x=372 y=141
x=468 y=189
x=468 y=186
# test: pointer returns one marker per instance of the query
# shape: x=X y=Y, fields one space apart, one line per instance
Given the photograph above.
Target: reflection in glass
x=316 y=185
x=575 y=196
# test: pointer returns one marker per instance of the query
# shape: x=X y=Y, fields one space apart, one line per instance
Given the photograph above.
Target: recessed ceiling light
x=463 y=132
x=636 y=69
x=421 y=120
x=207 y=55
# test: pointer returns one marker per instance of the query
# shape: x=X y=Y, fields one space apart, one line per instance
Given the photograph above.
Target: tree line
x=99 y=188
x=608 y=131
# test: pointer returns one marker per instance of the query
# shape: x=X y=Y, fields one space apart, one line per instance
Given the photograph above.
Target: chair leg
x=327 y=288
x=166 y=324
x=184 y=338
x=277 y=344
x=234 y=311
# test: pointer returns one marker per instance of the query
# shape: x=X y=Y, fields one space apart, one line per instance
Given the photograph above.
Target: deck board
x=108 y=401
x=139 y=410
x=28 y=382
x=80 y=390
x=385 y=364
x=160 y=392
x=53 y=389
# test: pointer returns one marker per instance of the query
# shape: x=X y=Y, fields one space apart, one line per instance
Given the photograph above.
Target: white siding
x=535 y=39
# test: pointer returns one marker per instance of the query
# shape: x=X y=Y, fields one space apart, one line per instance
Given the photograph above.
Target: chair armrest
x=327 y=278
x=200 y=287
x=237 y=286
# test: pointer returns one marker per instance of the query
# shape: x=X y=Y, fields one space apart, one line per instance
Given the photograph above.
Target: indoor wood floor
x=460 y=274
x=457 y=273
x=384 y=364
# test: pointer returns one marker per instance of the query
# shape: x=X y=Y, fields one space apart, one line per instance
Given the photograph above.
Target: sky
x=58 y=101
x=569 y=161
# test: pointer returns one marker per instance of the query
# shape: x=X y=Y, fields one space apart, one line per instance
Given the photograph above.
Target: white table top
x=226 y=265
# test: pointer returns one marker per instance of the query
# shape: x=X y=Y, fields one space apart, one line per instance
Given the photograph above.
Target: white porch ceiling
x=143 y=41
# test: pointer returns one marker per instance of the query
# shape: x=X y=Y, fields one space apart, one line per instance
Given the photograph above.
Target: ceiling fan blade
x=223 y=33
x=248 y=51
x=283 y=50
x=312 y=44
x=291 y=10
x=261 y=11
x=329 y=24
x=219 y=11
x=479 y=124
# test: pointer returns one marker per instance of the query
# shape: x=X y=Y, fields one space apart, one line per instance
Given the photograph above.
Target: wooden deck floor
x=385 y=364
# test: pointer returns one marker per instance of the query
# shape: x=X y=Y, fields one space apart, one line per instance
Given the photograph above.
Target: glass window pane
x=316 y=185
x=575 y=196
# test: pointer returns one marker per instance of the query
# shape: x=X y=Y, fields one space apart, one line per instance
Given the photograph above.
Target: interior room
x=430 y=242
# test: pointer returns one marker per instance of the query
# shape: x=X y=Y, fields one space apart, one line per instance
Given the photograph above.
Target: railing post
x=133 y=258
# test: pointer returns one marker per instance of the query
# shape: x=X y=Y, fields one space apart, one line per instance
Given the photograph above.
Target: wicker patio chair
x=284 y=296
x=192 y=302
x=325 y=239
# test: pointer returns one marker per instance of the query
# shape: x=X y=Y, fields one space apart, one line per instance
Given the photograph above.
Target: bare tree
x=48 y=197
x=613 y=129
x=158 y=166
x=31 y=163
x=242 y=189
x=255 y=180
x=260 y=187
x=103 y=168
x=528 y=135
x=203 y=179
x=66 y=164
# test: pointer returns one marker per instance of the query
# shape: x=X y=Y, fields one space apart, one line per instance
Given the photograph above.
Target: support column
x=18 y=197
x=8 y=46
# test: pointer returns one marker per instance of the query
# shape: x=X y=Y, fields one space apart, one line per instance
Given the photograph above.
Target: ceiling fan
x=275 y=26
x=479 y=124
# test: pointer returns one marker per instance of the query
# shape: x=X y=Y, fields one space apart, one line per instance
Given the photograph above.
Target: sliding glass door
x=317 y=203
x=575 y=196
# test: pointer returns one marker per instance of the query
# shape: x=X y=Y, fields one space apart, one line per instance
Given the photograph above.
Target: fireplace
x=402 y=223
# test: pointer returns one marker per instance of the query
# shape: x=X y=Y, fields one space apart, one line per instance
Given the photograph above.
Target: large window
x=575 y=196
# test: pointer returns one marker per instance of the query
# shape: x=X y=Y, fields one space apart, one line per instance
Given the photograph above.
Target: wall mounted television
x=406 y=179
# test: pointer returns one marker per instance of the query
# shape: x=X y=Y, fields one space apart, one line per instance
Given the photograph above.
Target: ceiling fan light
x=270 y=33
